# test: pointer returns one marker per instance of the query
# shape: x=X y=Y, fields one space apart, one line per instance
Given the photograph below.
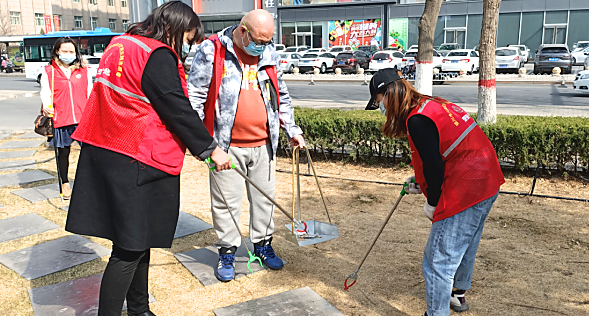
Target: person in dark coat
x=136 y=127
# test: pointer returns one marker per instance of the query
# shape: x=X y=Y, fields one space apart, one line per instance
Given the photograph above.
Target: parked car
x=296 y=49
x=445 y=48
x=369 y=49
x=461 y=60
x=385 y=59
x=508 y=59
x=524 y=50
x=352 y=61
x=579 y=56
x=413 y=47
x=410 y=55
x=581 y=83
x=279 y=47
x=316 y=50
x=580 y=45
x=549 y=56
x=288 y=61
x=323 y=61
x=338 y=49
x=586 y=64
x=92 y=63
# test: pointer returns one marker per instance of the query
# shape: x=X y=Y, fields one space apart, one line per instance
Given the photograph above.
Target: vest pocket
x=167 y=148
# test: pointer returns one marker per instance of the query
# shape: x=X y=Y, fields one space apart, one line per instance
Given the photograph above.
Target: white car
x=461 y=60
x=340 y=49
x=310 y=61
x=295 y=49
x=579 y=56
x=279 y=47
x=385 y=59
x=508 y=58
x=92 y=63
x=525 y=51
x=316 y=50
x=288 y=61
x=413 y=47
x=581 y=83
x=410 y=55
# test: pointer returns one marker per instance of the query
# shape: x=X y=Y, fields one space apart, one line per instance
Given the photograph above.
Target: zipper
x=69 y=81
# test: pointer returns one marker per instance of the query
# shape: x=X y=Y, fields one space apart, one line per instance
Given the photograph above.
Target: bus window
x=83 y=46
x=99 y=44
x=31 y=52
x=46 y=52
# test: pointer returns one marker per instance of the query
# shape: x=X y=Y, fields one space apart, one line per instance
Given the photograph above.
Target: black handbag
x=44 y=124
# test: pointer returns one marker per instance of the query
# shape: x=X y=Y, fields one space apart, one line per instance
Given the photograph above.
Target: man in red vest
x=236 y=86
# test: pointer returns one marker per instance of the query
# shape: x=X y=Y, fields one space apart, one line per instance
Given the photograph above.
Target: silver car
x=288 y=61
x=549 y=56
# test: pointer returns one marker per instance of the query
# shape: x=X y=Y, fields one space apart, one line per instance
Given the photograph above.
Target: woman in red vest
x=65 y=86
x=135 y=130
x=456 y=168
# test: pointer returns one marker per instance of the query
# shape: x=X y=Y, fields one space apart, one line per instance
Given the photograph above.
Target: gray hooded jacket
x=199 y=80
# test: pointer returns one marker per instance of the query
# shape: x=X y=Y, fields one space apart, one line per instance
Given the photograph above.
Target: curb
x=361 y=80
x=19 y=75
x=18 y=95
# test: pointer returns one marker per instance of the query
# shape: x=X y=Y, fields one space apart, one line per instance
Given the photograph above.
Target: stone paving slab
x=17 y=154
x=40 y=193
x=25 y=225
x=302 y=301
x=65 y=208
x=14 y=165
x=30 y=136
x=2 y=136
x=24 y=177
x=202 y=262
x=76 y=297
x=188 y=225
x=52 y=256
x=16 y=144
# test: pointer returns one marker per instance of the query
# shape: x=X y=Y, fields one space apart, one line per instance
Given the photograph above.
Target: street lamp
x=90 y=9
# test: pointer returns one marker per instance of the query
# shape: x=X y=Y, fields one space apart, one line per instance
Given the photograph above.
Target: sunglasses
x=251 y=38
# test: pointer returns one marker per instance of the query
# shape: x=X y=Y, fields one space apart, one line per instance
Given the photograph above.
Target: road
x=522 y=99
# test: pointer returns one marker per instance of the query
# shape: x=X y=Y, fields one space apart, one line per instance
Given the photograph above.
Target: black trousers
x=125 y=277
x=63 y=155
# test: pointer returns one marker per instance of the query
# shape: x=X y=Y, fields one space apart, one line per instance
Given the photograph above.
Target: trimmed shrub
x=524 y=140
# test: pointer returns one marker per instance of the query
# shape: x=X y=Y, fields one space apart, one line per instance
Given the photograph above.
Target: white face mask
x=383 y=110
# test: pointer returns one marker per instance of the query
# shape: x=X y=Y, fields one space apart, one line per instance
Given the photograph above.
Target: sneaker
x=458 y=302
x=225 y=270
x=264 y=250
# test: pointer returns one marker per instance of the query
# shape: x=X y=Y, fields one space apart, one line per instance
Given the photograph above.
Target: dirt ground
x=533 y=258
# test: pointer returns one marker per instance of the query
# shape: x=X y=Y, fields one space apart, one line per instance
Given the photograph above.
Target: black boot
x=148 y=313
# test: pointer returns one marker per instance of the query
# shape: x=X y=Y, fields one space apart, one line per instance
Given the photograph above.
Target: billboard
x=398 y=33
x=355 y=32
x=17 y=57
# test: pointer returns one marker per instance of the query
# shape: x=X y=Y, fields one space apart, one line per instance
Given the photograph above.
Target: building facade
x=26 y=17
x=324 y=23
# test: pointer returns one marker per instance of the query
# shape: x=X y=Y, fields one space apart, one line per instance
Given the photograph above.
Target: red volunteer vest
x=70 y=95
x=218 y=74
x=120 y=118
x=471 y=169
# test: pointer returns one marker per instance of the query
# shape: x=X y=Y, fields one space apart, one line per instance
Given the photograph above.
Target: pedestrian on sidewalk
x=456 y=168
x=236 y=86
x=135 y=132
x=3 y=64
x=66 y=84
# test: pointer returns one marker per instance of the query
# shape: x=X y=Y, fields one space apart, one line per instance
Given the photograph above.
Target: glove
x=413 y=188
x=429 y=210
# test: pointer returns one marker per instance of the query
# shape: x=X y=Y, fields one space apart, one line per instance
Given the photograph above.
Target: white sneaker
x=458 y=302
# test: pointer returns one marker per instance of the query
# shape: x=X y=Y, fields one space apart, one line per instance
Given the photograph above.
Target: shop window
x=288 y=34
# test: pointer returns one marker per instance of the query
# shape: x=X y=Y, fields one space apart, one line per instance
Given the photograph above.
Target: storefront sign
x=354 y=32
x=271 y=6
x=398 y=33
x=47 y=23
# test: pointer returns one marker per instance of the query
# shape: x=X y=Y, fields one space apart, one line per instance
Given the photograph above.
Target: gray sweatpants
x=257 y=164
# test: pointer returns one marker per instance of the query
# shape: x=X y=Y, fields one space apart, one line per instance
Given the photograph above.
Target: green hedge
x=523 y=140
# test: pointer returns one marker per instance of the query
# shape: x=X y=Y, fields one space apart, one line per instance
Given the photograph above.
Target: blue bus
x=37 y=49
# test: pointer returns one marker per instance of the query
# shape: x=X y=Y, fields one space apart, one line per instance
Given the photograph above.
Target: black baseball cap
x=379 y=82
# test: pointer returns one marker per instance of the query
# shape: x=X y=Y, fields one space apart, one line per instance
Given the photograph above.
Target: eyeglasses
x=251 y=38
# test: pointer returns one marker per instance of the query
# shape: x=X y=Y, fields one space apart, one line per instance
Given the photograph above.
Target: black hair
x=64 y=40
x=167 y=24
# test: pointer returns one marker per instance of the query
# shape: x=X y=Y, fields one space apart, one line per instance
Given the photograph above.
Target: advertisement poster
x=398 y=33
x=355 y=32
x=56 y=23
x=47 y=19
x=16 y=56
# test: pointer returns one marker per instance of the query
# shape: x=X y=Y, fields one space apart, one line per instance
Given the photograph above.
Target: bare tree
x=425 y=54
x=5 y=22
x=487 y=110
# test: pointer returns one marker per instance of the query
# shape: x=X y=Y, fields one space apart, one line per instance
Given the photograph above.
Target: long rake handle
x=380 y=231
x=318 y=186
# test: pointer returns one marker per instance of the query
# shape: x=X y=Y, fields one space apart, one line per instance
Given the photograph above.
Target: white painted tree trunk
x=423 y=77
x=487 y=112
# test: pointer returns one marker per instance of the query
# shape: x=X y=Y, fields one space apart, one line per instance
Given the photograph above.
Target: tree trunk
x=487 y=110
x=425 y=55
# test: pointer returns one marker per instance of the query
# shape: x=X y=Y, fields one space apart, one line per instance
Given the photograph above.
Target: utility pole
x=90 y=9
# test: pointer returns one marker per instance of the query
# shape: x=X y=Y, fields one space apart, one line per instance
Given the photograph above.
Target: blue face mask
x=253 y=49
x=185 y=49
x=67 y=58
x=383 y=110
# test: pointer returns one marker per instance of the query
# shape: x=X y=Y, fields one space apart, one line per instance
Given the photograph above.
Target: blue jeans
x=449 y=255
